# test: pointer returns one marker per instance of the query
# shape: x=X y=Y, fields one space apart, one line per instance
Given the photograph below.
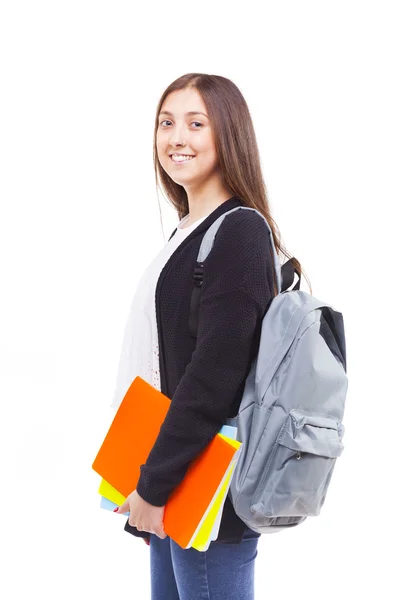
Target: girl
x=207 y=159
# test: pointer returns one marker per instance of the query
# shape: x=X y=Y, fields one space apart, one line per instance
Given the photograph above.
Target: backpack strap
x=288 y=270
x=284 y=275
x=195 y=299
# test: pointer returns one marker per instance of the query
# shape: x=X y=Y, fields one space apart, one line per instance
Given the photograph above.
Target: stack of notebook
x=193 y=511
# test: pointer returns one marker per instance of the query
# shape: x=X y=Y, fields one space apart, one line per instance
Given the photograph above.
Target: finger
x=123 y=508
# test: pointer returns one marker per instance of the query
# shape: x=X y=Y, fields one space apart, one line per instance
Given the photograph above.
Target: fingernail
x=115 y=509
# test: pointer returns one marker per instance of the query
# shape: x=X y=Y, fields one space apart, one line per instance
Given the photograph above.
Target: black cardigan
x=205 y=378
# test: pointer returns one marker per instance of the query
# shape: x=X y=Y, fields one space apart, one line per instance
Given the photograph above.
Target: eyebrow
x=191 y=112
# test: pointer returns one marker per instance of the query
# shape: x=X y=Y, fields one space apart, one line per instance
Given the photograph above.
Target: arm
x=236 y=289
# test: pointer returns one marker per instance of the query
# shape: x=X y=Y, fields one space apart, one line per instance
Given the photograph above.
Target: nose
x=177 y=137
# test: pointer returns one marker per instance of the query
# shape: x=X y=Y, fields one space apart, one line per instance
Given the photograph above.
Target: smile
x=181 y=159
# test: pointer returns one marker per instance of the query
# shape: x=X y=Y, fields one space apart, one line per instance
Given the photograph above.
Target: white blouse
x=139 y=352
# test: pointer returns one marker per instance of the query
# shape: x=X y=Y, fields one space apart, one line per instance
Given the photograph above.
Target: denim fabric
x=224 y=572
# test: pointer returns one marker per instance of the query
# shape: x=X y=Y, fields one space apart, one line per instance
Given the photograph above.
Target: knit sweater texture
x=205 y=376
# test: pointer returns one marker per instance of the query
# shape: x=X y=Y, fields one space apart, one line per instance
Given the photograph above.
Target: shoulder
x=243 y=231
x=241 y=253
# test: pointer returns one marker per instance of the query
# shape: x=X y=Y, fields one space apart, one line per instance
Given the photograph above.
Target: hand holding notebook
x=128 y=443
x=111 y=499
x=146 y=517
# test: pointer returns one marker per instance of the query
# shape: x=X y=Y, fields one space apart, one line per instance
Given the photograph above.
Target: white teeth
x=180 y=158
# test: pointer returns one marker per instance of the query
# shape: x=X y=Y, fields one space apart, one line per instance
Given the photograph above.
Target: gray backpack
x=290 y=416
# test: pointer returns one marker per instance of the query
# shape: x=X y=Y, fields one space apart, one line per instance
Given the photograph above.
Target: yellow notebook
x=203 y=538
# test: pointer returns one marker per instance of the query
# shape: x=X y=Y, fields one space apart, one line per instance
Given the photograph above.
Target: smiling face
x=186 y=134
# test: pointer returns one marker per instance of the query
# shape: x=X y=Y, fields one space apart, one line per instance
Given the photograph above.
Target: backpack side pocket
x=299 y=469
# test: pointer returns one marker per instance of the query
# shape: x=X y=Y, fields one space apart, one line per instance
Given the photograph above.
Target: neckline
x=222 y=208
x=184 y=220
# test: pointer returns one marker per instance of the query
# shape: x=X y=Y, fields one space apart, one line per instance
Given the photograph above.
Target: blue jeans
x=223 y=572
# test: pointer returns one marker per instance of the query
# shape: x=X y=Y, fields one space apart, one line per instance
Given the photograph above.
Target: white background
x=80 y=222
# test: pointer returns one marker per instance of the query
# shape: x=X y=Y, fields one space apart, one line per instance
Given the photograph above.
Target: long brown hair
x=236 y=149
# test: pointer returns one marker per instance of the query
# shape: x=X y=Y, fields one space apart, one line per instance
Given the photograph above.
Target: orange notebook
x=127 y=444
